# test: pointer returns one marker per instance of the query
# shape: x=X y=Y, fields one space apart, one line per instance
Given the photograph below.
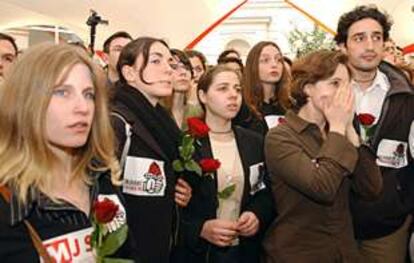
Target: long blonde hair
x=25 y=159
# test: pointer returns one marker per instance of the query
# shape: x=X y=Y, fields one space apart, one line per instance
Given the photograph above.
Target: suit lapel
x=244 y=157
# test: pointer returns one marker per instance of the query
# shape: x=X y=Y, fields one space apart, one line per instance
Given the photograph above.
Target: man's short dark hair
x=119 y=34
x=11 y=40
x=357 y=14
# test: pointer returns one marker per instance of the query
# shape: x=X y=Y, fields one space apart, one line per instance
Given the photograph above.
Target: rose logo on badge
x=399 y=154
x=154 y=181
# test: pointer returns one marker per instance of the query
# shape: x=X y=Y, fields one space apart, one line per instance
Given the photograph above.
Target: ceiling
x=180 y=21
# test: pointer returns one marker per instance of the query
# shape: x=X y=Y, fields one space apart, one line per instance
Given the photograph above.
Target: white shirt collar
x=380 y=82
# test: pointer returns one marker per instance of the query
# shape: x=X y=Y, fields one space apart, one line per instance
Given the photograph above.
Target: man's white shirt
x=371 y=99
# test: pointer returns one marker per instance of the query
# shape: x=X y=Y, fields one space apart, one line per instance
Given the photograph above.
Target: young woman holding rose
x=265 y=85
x=57 y=158
x=315 y=159
x=226 y=229
x=148 y=141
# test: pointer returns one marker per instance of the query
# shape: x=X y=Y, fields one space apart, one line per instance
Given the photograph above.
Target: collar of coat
x=36 y=199
x=398 y=81
x=297 y=123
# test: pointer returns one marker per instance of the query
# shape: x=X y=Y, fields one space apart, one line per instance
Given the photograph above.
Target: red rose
x=209 y=165
x=400 y=149
x=105 y=210
x=197 y=127
x=154 y=169
x=366 y=119
x=281 y=120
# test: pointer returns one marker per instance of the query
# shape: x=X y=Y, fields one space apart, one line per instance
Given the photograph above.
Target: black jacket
x=204 y=202
x=152 y=215
x=384 y=216
x=63 y=228
x=247 y=119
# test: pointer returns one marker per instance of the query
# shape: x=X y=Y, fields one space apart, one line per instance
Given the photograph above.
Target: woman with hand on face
x=265 y=85
x=57 y=157
x=315 y=159
x=227 y=229
x=148 y=139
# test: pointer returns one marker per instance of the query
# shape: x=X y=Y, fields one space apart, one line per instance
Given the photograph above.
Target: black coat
x=247 y=119
x=152 y=215
x=385 y=215
x=204 y=202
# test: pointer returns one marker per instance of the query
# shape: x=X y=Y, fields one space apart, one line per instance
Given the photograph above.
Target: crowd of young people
x=303 y=162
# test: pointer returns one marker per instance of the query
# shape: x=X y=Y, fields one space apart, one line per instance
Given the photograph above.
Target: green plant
x=302 y=42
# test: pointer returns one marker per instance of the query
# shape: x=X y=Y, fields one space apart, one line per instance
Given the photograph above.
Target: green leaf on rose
x=188 y=140
x=180 y=150
x=95 y=235
x=112 y=242
x=227 y=192
x=178 y=166
x=369 y=131
x=187 y=152
x=193 y=166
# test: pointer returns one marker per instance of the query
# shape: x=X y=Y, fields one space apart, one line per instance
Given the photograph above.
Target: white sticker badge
x=411 y=139
x=392 y=153
x=256 y=178
x=144 y=177
x=74 y=247
x=274 y=120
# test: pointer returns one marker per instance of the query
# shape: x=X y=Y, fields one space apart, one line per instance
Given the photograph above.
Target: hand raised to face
x=340 y=110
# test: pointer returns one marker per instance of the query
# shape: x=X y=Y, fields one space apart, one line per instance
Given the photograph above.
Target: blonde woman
x=56 y=156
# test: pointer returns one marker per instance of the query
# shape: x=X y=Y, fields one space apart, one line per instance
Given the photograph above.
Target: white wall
x=256 y=21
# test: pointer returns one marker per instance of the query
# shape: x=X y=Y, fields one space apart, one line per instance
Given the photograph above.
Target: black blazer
x=204 y=201
x=247 y=119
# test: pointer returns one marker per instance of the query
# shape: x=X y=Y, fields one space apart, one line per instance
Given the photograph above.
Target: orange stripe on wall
x=214 y=25
x=408 y=49
x=311 y=17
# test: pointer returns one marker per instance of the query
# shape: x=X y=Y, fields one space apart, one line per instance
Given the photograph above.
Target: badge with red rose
x=366 y=121
x=392 y=153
